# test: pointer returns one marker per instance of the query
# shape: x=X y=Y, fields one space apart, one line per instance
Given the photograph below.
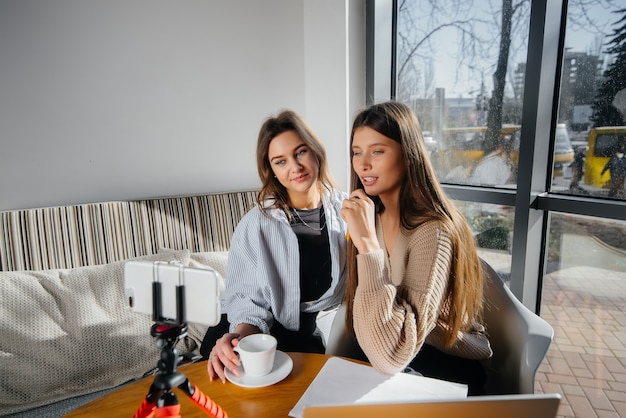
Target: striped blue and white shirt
x=263 y=269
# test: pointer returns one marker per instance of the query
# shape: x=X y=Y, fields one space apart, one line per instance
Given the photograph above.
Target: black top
x=315 y=263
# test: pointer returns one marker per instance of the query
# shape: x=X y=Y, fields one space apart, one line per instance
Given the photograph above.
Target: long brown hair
x=422 y=199
x=287 y=120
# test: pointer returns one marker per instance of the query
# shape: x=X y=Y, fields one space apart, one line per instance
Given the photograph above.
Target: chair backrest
x=340 y=342
x=519 y=338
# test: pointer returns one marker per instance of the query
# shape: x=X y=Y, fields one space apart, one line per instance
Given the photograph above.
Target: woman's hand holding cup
x=256 y=354
x=223 y=357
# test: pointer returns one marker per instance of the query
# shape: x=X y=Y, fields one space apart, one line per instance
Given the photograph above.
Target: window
x=590 y=106
x=492 y=226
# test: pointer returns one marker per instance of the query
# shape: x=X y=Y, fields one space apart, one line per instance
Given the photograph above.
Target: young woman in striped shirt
x=287 y=260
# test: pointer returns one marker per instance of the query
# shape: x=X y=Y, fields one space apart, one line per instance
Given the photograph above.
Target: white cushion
x=215 y=260
x=65 y=333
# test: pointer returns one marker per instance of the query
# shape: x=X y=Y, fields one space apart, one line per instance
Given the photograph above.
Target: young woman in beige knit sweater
x=414 y=291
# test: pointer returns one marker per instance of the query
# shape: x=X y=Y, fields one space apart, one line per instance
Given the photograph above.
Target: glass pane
x=592 y=102
x=584 y=299
x=492 y=226
x=465 y=85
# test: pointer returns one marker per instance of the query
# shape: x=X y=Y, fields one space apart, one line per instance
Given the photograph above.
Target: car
x=602 y=143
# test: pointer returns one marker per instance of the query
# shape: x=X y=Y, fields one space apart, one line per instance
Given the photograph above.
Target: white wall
x=117 y=99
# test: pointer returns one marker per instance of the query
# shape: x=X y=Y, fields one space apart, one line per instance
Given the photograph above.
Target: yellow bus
x=466 y=144
x=465 y=147
x=602 y=143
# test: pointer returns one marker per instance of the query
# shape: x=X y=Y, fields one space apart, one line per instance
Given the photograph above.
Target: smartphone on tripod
x=173 y=294
x=200 y=288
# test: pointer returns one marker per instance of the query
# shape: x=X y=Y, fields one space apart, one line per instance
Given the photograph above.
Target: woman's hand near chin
x=359 y=213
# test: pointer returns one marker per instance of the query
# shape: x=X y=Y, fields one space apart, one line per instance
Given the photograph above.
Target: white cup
x=257 y=352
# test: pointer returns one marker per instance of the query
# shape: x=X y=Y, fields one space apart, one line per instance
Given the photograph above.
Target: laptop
x=509 y=406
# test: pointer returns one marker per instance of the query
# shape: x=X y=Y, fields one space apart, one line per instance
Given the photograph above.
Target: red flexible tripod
x=161 y=401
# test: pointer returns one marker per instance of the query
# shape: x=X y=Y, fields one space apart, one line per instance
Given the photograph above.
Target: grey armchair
x=519 y=338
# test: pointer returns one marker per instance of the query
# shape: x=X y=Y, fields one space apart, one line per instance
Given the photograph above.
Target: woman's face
x=378 y=162
x=293 y=163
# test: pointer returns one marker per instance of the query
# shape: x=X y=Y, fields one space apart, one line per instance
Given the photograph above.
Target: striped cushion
x=100 y=233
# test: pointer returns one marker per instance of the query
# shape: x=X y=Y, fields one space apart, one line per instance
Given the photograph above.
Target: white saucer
x=282 y=367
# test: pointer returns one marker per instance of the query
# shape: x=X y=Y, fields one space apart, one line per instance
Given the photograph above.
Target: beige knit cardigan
x=400 y=297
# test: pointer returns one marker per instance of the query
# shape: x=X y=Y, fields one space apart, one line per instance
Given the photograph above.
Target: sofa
x=66 y=332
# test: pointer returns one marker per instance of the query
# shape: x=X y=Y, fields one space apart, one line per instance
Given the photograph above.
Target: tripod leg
x=167 y=406
x=203 y=401
x=172 y=411
x=146 y=410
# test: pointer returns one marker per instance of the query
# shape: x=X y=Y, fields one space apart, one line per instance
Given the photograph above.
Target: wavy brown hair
x=271 y=188
x=421 y=200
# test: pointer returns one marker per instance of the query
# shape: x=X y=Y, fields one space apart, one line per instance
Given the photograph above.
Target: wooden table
x=270 y=401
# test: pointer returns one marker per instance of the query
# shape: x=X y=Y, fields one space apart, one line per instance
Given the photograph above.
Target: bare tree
x=419 y=23
x=477 y=35
x=494 y=117
x=579 y=16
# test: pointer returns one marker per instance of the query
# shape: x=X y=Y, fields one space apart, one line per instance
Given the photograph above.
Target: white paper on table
x=343 y=382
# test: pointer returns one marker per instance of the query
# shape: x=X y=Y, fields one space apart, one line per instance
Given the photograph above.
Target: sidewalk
x=584 y=300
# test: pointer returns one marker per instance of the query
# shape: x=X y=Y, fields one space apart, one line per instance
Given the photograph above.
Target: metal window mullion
x=379 y=55
x=488 y=195
x=539 y=113
x=581 y=205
